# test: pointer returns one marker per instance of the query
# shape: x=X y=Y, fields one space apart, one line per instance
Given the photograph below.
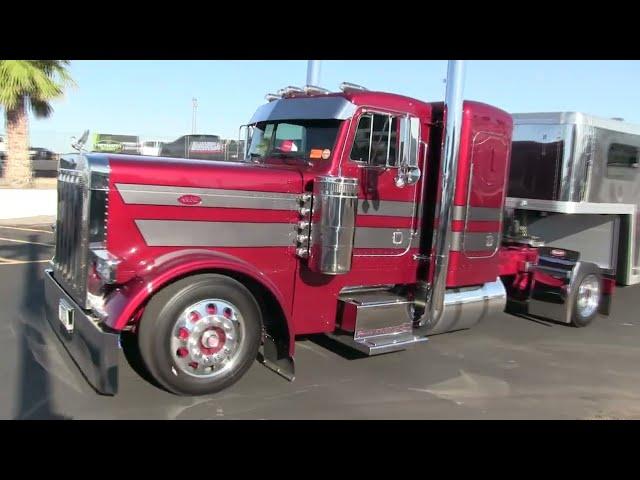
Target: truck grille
x=71 y=251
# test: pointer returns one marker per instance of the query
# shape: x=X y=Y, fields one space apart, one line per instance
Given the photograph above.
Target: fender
x=124 y=302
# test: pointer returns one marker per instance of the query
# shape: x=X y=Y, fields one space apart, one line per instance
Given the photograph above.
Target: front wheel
x=200 y=334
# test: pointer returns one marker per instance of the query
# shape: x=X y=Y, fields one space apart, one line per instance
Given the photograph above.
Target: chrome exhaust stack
x=434 y=304
x=449 y=167
x=454 y=309
x=313 y=73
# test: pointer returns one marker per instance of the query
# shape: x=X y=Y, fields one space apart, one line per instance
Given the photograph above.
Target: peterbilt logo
x=557 y=252
x=190 y=200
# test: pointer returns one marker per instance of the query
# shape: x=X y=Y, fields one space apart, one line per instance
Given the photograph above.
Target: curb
x=26 y=203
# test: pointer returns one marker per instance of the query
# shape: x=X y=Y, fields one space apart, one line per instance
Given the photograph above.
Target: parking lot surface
x=505 y=368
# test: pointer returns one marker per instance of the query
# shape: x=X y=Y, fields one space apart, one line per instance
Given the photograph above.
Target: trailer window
x=622 y=156
x=376 y=140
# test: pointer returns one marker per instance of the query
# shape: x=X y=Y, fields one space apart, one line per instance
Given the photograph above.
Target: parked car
x=202 y=147
x=151 y=148
x=44 y=162
x=39 y=153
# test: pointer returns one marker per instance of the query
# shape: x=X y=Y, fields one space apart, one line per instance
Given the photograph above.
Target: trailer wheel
x=586 y=299
x=200 y=334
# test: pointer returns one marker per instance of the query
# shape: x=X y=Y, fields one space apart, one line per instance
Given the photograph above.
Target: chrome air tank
x=335 y=202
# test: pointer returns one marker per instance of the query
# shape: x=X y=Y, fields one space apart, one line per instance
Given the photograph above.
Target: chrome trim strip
x=385 y=208
x=211 y=197
x=570 y=207
x=475 y=241
x=477 y=214
x=181 y=233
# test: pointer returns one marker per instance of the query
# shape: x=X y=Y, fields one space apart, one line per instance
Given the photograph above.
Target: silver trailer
x=575 y=185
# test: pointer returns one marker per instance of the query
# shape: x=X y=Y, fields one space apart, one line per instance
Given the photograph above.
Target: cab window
x=289 y=138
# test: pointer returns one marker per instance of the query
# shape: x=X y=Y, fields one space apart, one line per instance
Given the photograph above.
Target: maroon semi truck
x=371 y=217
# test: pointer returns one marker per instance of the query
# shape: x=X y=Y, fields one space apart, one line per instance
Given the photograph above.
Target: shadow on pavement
x=34 y=395
x=335 y=347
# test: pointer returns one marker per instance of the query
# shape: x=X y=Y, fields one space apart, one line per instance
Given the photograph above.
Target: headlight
x=106 y=264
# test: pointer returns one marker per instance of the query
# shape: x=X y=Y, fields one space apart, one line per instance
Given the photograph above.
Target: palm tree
x=24 y=85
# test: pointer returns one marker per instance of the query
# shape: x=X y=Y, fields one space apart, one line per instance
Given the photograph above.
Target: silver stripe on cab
x=388 y=208
x=210 y=197
x=180 y=233
x=374 y=237
x=479 y=214
x=474 y=241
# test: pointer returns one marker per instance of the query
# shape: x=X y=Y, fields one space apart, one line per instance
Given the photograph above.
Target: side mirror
x=244 y=142
x=408 y=177
x=408 y=170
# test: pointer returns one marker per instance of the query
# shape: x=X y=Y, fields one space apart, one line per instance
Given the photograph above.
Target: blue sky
x=153 y=98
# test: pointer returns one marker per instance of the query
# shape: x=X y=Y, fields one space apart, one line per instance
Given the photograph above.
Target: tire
x=586 y=298
x=200 y=334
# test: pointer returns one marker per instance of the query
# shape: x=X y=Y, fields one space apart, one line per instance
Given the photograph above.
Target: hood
x=193 y=173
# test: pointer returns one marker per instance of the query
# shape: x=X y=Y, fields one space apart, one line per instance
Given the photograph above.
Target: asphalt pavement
x=507 y=367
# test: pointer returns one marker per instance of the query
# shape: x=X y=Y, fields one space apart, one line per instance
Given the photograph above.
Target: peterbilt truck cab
x=371 y=217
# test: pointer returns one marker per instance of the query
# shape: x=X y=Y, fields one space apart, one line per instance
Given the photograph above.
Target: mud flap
x=275 y=358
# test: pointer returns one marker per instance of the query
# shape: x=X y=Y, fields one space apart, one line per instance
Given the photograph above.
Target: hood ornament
x=79 y=144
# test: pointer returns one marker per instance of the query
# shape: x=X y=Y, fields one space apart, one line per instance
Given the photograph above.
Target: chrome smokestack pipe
x=444 y=209
x=313 y=73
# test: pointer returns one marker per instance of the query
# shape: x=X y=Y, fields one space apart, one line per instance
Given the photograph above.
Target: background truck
x=203 y=147
x=116 y=143
x=151 y=148
x=374 y=218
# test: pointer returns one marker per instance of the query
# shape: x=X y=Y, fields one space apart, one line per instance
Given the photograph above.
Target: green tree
x=27 y=85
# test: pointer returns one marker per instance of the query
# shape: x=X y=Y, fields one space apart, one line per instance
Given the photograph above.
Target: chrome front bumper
x=93 y=349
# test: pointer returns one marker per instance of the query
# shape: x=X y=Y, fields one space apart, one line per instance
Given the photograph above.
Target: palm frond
x=40 y=81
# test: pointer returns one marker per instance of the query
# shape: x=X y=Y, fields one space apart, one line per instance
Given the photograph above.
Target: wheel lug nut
x=182 y=352
x=194 y=316
x=183 y=333
x=228 y=312
x=212 y=309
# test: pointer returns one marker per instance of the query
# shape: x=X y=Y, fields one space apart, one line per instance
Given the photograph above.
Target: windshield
x=306 y=139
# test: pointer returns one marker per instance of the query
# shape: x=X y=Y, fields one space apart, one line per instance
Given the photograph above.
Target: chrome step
x=375 y=321
x=377 y=345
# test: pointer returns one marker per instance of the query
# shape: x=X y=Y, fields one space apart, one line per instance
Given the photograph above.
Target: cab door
x=387 y=209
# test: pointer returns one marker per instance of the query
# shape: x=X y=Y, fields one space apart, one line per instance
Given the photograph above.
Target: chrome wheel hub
x=588 y=296
x=207 y=338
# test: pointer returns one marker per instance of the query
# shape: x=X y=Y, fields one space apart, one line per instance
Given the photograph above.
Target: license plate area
x=65 y=315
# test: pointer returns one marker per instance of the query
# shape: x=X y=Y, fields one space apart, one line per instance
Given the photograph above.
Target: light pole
x=193 y=120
